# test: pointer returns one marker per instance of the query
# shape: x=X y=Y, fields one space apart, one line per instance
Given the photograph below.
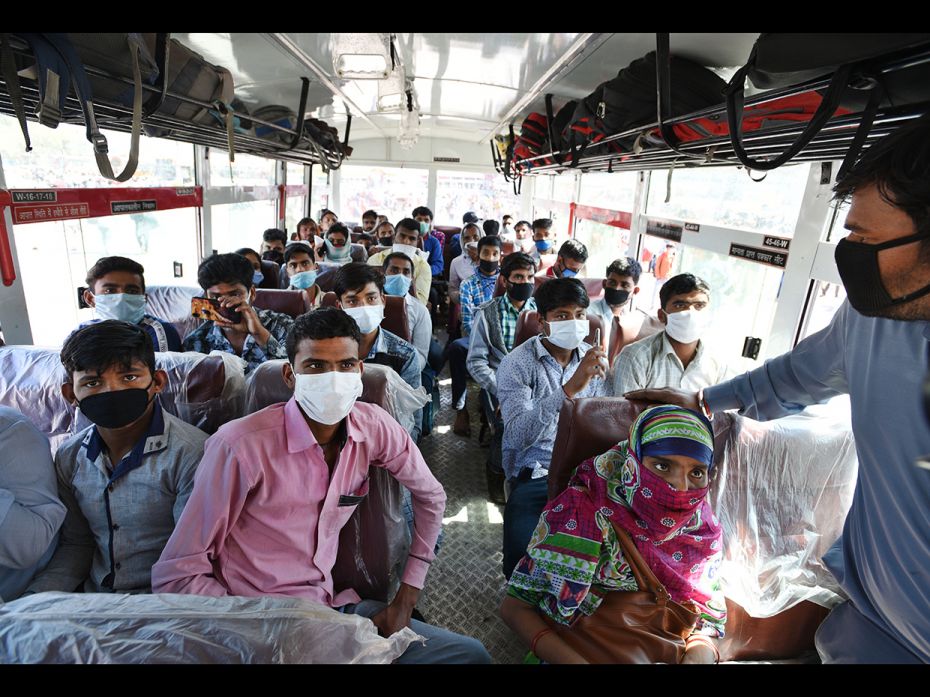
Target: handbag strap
x=645 y=578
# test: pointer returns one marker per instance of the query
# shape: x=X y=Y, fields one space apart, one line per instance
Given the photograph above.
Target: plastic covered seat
x=528 y=326
x=271 y=271
x=173 y=304
x=395 y=319
x=288 y=302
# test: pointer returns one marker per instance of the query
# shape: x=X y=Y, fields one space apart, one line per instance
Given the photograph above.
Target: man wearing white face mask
x=676 y=357
x=359 y=291
x=406 y=235
x=310 y=457
x=532 y=382
x=116 y=290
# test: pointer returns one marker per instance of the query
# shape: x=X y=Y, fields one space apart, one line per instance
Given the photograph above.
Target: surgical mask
x=327 y=398
x=257 y=277
x=520 y=292
x=615 y=296
x=424 y=228
x=118 y=408
x=568 y=273
x=688 y=326
x=334 y=252
x=407 y=249
x=488 y=267
x=398 y=284
x=122 y=306
x=303 y=280
x=857 y=263
x=367 y=317
x=569 y=333
x=543 y=245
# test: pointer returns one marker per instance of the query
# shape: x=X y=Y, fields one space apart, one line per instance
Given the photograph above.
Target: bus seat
x=395 y=314
x=326 y=277
x=289 y=302
x=633 y=326
x=753 y=462
x=593 y=286
x=528 y=326
x=173 y=304
x=271 y=270
x=508 y=247
x=449 y=231
x=378 y=524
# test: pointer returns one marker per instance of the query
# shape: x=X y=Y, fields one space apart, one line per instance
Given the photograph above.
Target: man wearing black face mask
x=876 y=350
x=126 y=479
x=621 y=285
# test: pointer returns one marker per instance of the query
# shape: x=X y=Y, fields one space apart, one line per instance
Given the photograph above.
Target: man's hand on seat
x=397 y=614
x=681 y=398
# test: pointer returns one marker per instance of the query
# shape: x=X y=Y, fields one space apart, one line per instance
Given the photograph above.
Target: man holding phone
x=236 y=327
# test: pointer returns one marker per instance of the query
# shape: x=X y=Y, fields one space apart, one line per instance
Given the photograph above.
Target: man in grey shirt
x=30 y=512
x=125 y=480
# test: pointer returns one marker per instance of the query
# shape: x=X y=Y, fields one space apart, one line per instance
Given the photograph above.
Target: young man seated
x=310 y=458
x=307 y=230
x=116 y=290
x=30 y=511
x=359 y=289
x=620 y=287
x=337 y=246
x=258 y=276
x=570 y=260
x=433 y=240
x=543 y=240
x=369 y=221
x=675 y=357
x=532 y=382
x=255 y=335
x=301 y=269
x=523 y=231
x=406 y=235
x=398 y=277
x=474 y=292
x=464 y=265
x=384 y=235
x=124 y=480
x=273 y=240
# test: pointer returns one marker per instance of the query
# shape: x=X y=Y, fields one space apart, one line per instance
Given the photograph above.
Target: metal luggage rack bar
x=831 y=143
x=117 y=117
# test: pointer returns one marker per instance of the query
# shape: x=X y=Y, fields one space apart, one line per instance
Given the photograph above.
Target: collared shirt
x=421 y=327
x=487 y=347
x=652 y=362
x=433 y=248
x=264 y=518
x=882 y=560
x=461 y=268
x=30 y=512
x=474 y=292
x=162 y=333
x=529 y=387
x=422 y=274
x=509 y=315
x=209 y=337
x=120 y=517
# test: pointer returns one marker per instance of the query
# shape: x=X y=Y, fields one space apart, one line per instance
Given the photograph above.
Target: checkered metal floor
x=465 y=585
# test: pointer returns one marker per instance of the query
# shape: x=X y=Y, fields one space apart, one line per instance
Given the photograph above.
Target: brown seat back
x=528 y=326
x=395 y=314
x=593 y=286
x=272 y=272
x=288 y=302
x=633 y=326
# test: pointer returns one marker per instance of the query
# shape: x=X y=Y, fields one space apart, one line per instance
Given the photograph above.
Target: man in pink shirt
x=275 y=488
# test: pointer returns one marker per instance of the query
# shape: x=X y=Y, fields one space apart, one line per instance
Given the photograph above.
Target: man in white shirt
x=621 y=285
x=675 y=357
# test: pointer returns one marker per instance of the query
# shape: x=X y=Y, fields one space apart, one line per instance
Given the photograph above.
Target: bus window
x=486 y=194
x=247 y=170
x=295 y=206
x=614 y=191
x=321 y=190
x=391 y=191
x=236 y=225
x=826 y=299
x=604 y=243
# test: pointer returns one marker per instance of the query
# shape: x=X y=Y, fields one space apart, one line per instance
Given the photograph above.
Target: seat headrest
x=289 y=302
x=528 y=326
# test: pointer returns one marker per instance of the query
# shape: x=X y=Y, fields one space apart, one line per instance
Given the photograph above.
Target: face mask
x=303 y=280
x=688 y=326
x=367 y=317
x=543 y=245
x=520 y=292
x=407 y=249
x=327 y=398
x=398 y=284
x=257 y=277
x=334 y=252
x=274 y=255
x=857 y=263
x=488 y=267
x=615 y=296
x=116 y=409
x=568 y=334
x=385 y=241
x=526 y=244
x=472 y=245
x=424 y=228
x=121 y=306
x=568 y=273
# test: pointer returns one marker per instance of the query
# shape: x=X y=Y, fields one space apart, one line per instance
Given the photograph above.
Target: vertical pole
x=280 y=179
x=431 y=190
x=202 y=178
x=14 y=315
x=638 y=224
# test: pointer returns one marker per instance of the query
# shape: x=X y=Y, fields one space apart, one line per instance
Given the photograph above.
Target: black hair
x=542 y=223
x=899 y=167
x=506 y=216
x=242 y=251
x=274 y=234
x=557 y=292
x=105 y=265
x=326 y=211
x=515 y=261
x=385 y=222
x=682 y=284
x=322 y=323
x=489 y=241
x=100 y=345
x=338 y=227
x=355 y=276
x=225 y=268
x=370 y=214
x=408 y=224
x=298 y=246
x=573 y=249
x=422 y=210
x=396 y=255
x=523 y=222
x=491 y=228
x=305 y=221
x=625 y=266
x=365 y=237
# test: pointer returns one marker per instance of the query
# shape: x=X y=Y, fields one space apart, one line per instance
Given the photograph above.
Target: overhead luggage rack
x=831 y=143
x=118 y=117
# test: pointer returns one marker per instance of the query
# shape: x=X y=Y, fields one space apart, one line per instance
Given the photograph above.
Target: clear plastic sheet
x=782 y=492
x=173 y=304
x=173 y=628
x=209 y=408
x=405 y=400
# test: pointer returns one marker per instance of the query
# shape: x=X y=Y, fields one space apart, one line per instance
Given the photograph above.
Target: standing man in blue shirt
x=876 y=350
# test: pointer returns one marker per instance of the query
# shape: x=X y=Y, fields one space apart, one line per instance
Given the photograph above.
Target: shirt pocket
x=355 y=497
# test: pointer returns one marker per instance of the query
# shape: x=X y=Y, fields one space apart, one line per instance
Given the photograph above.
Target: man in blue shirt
x=532 y=382
x=876 y=350
x=116 y=290
x=431 y=243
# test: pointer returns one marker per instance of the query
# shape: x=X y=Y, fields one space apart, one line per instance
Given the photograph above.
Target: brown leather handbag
x=644 y=626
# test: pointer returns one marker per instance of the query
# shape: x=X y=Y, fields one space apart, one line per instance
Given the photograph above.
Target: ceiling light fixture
x=362 y=56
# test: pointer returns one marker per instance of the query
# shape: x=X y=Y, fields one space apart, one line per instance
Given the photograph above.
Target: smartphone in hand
x=210 y=309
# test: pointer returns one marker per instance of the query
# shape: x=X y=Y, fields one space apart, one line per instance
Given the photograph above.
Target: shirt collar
x=154 y=440
x=530 y=304
x=667 y=348
x=297 y=431
x=379 y=345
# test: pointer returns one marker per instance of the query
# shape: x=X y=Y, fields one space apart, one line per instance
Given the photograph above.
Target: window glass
x=825 y=301
x=615 y=190
x=238 y=225
x=295 y=209
x=563 y=187
x=391 y=191
x=487 y=194
x=320 y=192
x=295 y=174
x=604 y=243
x=247 y=170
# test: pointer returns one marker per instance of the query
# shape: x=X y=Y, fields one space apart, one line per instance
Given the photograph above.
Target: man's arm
x=469 y=305
x=527 y=415
x=436 y=262
x=455 y=281
x=422 y=279
x=221 y=486
x=479 y=355
x=421 y=331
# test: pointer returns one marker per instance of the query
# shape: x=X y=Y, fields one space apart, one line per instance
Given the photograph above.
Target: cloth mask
x=615 y=296
x=116 y=409
x=543 y=245
x=520 y=292
x=857 y=264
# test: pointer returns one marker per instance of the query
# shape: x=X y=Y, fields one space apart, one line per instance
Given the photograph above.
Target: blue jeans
x=458 y=353
x=521 y=516
x=442 y=646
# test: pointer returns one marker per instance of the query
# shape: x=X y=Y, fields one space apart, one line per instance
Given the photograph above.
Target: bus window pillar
x=202 y=178
x=14 y=316
x=638 y=224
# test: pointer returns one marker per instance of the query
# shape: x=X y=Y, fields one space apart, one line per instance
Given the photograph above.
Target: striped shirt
x=652 y=362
